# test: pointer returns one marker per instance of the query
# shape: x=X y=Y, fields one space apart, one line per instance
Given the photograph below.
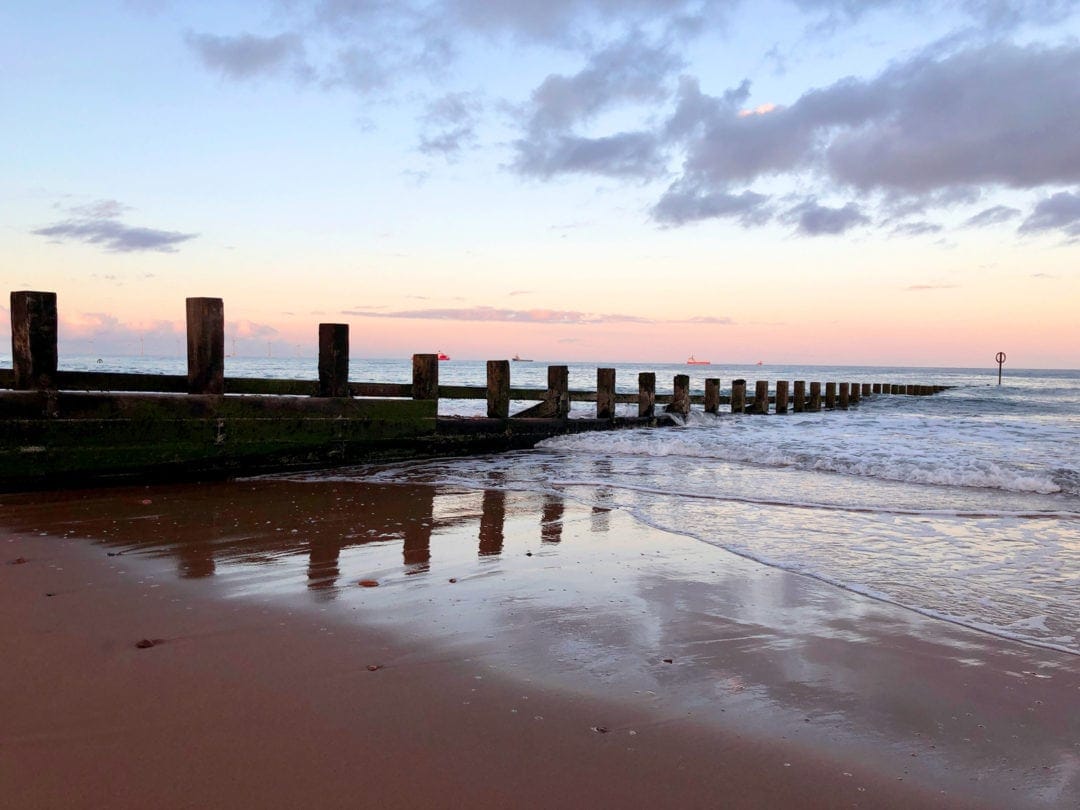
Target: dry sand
x=576 y=659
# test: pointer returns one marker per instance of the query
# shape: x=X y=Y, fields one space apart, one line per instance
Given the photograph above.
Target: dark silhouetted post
x=815 y=397
x=844 y=394
x=877 y=388
x=781 y=396
x=33 y=339
x=830 y=395
x=425 y=376
x=559 y=390
x=498 y=389
x=738 y=396
x=761 y=397
x=333 y=359
x=712 y=395
x=680 y=395
x=866 y=389
x=646 y=396
x=999 y=357
x=800 y=396
x=205 y=346
x=605 y=393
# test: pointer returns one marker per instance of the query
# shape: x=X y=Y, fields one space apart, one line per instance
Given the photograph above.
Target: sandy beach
x=323 y=644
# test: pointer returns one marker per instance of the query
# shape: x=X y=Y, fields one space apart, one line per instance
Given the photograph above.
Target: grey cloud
x=680 y=205
x=452 y=121
x=916 y=228
x=1058 y=212
x=495 y=315
x=995 y=215
x=115 y=236
x=247 y=56
x=814 y=219
x=625 y=154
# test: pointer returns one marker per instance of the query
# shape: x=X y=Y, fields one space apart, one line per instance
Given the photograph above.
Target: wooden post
x=425 y=376
x=911 y=390
x=33 y=339
x=830 y=395
x=646 y=396
x=800 y=396
x=712 y=395
x=605 y=393
x=498 y=389
x=896 y=389
x=680 y=395
x=844 y=395
x=205 y=346
x=333 y=359
x=854 y=393
x=738 y=396
x=815 y=397
x=877 y=388
x=781 y=396
x=761 y=397
x=866 y=389
x=559 y=389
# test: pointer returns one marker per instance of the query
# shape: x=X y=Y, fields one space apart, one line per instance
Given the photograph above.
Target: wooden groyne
x=60 y=428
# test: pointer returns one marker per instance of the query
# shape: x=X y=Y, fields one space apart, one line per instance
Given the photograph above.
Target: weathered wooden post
x=680 y=395
x=33 y=339
x=712 y=395
x=815 y=397
x=843 y=389
x=646 y=396
x=205 y=346
x=605 y=393
x=854 y=393
x=761 y=397
x=830 y=395
x=896 y=389
x=738 y=396
x=559 y=389
x=498 y=389
x=800 y=396
x=911 y=390
x=877 y=388
x=866 y=389
x=333 y=359
x=425 y=376
x=781 y=396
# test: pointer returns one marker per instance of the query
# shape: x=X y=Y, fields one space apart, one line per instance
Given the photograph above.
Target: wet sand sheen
x=577 y=658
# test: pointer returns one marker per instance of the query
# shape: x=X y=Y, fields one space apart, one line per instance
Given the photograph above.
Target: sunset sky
x=799 y=181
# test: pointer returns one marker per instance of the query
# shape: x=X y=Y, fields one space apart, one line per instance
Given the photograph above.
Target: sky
x=792 y=181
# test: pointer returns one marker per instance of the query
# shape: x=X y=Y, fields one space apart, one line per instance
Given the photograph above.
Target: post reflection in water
x=323 y=556
x=551 y=520
x=492 y=518
x=416 y=549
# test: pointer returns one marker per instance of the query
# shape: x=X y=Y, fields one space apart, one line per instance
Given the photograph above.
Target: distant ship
x=517 y=359
x=443 y=356
x=692 y=361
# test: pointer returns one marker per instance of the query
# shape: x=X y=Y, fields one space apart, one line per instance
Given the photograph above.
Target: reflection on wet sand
x=691 y=627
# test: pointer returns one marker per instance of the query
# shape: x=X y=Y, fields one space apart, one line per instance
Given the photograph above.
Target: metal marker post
x=1000 y=361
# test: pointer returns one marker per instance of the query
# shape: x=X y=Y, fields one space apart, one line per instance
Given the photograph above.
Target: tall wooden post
x=425 y=376
x=781 y=396
x=680 y=395
x=205 y=346
x=854 y=393
x=877 y=388
x=800 y=396
x=646 y=396
x=844 y=394
x=712 y=395
x=830 y=395
x=33 y=339
x=761 y=397
x=866 y=389
x=605 y=393
x=559 y=390
x=498 y=389
x=738 y=396
x=333 y=359
x=815 y=397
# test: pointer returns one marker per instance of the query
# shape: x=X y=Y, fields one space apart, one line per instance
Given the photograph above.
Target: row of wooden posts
x=34 y=361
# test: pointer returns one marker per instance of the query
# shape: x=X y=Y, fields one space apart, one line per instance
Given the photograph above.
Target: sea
x=963 y=506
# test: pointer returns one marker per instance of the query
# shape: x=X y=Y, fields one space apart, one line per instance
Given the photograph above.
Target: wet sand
x=518 y=651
